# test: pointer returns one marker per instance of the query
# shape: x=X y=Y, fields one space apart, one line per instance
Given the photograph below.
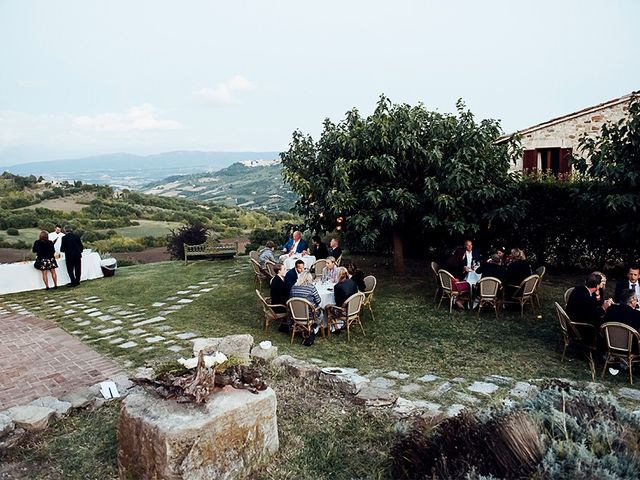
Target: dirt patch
x=150 y=255
x=66 y=204
x=11 y=255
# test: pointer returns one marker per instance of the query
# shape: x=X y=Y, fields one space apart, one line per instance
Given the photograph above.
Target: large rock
x=345 y=380
x=238 y=346
x=79 y=398
x=297 y=368
x=60 y=407
x=221 y=439
x=371 y=396
x=266 y=354
x=31 y=417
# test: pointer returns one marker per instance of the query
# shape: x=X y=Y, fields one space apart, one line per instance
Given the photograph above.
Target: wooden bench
x=211 y=248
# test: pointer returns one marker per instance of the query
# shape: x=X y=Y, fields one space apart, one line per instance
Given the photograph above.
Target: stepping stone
x=183 y=292
x=155 y=339
x=61 y=408
x=499 y=379
x=205 y=290
x=116 y=322
x=124 y=313
x=470 y=399
x=57 y=307
x=485 y=388
x=105 y=318
x=135 y=315
x=131 y=304
x=151 y=320
x=146 y=349
x=129 y=344
x=169 y=342
x=78 y=319
x=405 y=407
x=175 y=307
x=115 y=341
x=381 y=382
x=137 y=331
x=96 y=314
x=84 y=324
x=186 y=335
x=109 y=330
x=522 y=390
x=31 y=417
x=46 y=301
x=90 y=298
x=175 y=348
x=455 y=409
x=185 y=300
x=166 y=312
x=629 y=393
x=90 y=310
x=458 y=380
x=396 y=375
x=71 y=302
x=371 y=396
x=195 y=295
x=158 y=304
x=427 y=378
x=163 y=328
x=441 y=390
x=114 y=309
x=171 y=299
x=410 y=388
x=77 y=332
x=69 y=312
x=95 y=301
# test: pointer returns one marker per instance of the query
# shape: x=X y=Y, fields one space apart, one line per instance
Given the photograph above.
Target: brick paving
x=37 y=359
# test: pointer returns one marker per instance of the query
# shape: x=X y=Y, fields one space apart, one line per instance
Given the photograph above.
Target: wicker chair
x=489 y=289
x=370 y=283
x=304 y=316
x=254 y=255
x=540 y=271
x=338 y=260
x=623 y=344
x=269 y=268
x=434 y=268
x=582 y=335
x=260 y=276
x=270 y=315
x=349 y=313
x=317 y=267
x=567 y=294
x=446 y=284
x=525 y=293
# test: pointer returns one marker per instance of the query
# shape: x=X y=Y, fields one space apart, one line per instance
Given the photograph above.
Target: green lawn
x=409 y=334
x=27 y=235
x=147 y=228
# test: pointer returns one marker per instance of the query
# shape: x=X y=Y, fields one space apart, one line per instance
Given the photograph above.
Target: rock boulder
x=238 y=346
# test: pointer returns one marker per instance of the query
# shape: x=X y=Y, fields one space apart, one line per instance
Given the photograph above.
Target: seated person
x=345 y=287
x=278 y=289
x=334 y=248
x=304 y=288
x=330 y=272
x=267 y=254
x=470 y=259
x=356 y=275
x=625 y=312
x=318 y=249
x=454 y=263
x=582 y=306
x=292 y=275
x=630 y=283
x=493 y=268
x=518 y=268
x=599 y=294
x=295 y=244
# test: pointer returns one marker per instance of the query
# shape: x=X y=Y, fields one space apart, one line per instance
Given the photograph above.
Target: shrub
x=559 y=433
x=191 y=234
x=13 y=231
x=260 y=236
x=118 y=244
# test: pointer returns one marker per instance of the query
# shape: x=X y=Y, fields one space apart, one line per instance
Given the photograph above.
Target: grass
x=27 y=235
x=322 y=435
x=147 y=228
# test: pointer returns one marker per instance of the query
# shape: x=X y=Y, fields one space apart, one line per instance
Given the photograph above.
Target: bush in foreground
x=560 y=433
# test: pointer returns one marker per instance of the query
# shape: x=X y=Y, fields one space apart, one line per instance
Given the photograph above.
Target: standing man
x=631 y=283
x=72 y=248
x=55 y=237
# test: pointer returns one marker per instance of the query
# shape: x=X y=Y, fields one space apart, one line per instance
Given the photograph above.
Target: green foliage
x=191 y=234
x=118 y=244
x=13 y=231
x=403 y=170
x=260 y=236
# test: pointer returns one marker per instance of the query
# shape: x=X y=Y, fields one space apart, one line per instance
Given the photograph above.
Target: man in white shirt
x=632 y=282
x=55 y=237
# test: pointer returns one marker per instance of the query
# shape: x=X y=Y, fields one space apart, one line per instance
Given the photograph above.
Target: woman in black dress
x=45 y=258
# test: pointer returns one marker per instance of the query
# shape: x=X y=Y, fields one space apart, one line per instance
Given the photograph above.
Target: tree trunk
x=398 y=254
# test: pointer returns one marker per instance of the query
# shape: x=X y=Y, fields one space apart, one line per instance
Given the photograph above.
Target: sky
x=80 y=78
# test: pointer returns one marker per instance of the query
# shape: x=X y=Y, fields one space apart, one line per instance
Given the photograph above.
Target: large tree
x=402 y=170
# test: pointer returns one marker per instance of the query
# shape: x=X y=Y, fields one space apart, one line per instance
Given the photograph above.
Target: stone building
x=549 y=145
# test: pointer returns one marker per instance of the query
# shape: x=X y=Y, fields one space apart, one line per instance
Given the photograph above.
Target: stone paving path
x=38 y=359
x=127 y=326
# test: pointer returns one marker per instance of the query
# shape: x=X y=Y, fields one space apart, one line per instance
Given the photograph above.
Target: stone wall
x=566 y=133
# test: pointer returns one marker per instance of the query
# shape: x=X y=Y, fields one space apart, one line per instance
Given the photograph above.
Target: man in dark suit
x=334 y=249
x=72 y=247
x=470 y=259
x=493 y=268
x=583 y=307
x=291 y=277
x=631 y=283
x=625 y=312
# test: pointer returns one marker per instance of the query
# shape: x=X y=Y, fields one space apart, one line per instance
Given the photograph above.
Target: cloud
x=224 y=93
x=140 y=118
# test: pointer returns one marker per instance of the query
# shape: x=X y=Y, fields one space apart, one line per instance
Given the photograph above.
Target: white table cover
x=22 y=277
x=472 y=278
x=290 y=262
x=326 y=293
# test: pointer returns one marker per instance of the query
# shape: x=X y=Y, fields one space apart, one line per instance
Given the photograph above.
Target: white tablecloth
x=472 y=278
x=308 y=260
x=326 y=293
x=22 y=277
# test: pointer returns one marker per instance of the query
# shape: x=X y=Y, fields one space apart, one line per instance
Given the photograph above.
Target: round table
x=290 y=262
x=325 y=290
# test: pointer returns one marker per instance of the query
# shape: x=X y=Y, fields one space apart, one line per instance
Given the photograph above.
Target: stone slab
x=61 y=408
x=371 y=396
x=31 y=417
x=221 y=439
x=485 y=388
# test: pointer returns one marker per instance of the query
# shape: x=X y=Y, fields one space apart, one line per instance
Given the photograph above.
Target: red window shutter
x=530 y=161
x=565 y=155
